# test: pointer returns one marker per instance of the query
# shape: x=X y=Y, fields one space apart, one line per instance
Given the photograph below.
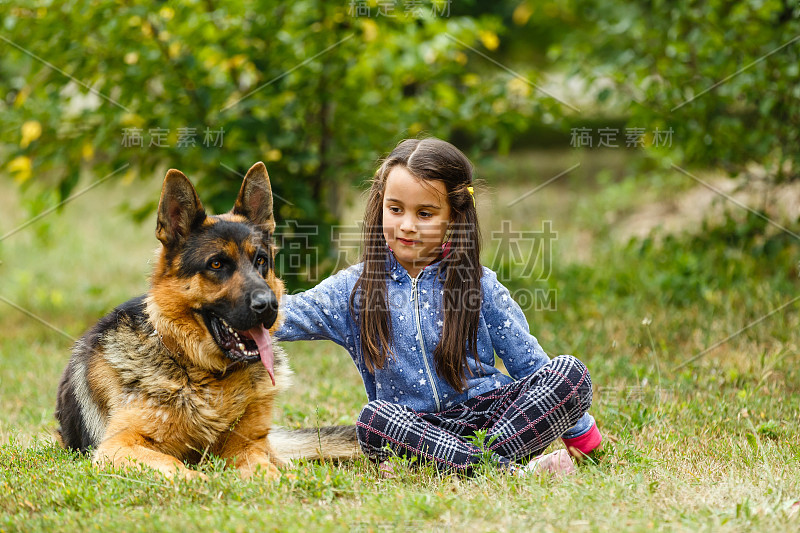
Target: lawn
x=691 y=344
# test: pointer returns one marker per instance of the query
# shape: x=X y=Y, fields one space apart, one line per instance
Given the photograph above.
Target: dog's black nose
x=263 y=301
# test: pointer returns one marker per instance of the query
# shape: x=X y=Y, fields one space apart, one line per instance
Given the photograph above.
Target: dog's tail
x=329 y=442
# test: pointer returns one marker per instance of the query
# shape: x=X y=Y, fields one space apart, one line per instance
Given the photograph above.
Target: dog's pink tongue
x=260 y=334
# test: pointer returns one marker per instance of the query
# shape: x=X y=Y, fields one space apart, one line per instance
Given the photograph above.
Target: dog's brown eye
x=260 y=261
x=215 y=265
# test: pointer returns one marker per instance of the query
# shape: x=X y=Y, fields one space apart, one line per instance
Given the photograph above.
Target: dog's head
x=214 y=289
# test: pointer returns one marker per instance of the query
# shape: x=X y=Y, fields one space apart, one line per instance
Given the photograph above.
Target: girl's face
x=416 y=214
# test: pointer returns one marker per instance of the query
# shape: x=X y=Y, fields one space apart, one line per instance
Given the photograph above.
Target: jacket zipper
x=415 y=299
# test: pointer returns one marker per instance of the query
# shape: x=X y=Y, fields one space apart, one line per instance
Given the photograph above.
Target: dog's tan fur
x=149 y=385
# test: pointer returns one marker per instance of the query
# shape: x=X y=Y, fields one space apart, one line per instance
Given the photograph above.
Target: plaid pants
x=521 y=419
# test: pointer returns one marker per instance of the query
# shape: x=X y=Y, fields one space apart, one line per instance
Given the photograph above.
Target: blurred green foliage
x=318 y=90
x=723 y=75
x=676 y=271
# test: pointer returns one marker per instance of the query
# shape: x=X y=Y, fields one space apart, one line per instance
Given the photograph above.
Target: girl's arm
x=509 y=330
x=318 y=313
x=324 y=313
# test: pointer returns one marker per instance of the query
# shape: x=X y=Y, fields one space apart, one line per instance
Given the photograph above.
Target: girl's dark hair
x=426 y=159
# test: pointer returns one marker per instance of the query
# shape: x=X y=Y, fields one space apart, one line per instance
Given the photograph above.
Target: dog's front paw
x=190 y=475
x=261 y=467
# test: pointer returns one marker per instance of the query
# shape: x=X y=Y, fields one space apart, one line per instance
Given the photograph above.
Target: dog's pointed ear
x=179 y=210
x=255 y=198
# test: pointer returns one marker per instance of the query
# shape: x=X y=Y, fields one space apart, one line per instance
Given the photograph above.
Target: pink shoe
x=559 y=463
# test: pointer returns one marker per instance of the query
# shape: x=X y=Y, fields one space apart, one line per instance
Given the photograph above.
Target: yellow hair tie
x=471 y=192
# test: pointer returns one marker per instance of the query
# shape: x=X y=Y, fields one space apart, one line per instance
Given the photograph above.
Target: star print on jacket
x=324 y=312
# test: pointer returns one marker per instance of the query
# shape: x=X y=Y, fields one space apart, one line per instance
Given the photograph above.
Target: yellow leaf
x=471 y=80
x=521 y=14
x=274 y=155
x=415 y=128
x=237 y=61
x=31 y=130
x=22 y=95
x=212 y=60
x=21 y=166
x=499 y=106
x=519 y=88
x=87 y=151
x=128 y=178
x=167 y=13
x=132 y=119
x=489 y=39
x=57 y=297
x=370 y=30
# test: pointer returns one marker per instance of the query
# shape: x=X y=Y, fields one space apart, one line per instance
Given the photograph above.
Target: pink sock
x=586 y=442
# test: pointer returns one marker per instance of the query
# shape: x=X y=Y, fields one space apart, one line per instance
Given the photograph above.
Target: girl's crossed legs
x=521 y=419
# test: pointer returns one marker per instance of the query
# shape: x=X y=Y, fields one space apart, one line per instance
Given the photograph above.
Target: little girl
x=423 y=320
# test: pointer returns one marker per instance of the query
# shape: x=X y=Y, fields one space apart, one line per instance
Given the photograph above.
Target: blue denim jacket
x=416 y=312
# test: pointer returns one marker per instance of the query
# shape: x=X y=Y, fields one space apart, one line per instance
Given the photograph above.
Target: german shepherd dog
x=189 y=368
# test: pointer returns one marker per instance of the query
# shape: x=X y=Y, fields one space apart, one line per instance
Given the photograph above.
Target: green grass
x=710 y=445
